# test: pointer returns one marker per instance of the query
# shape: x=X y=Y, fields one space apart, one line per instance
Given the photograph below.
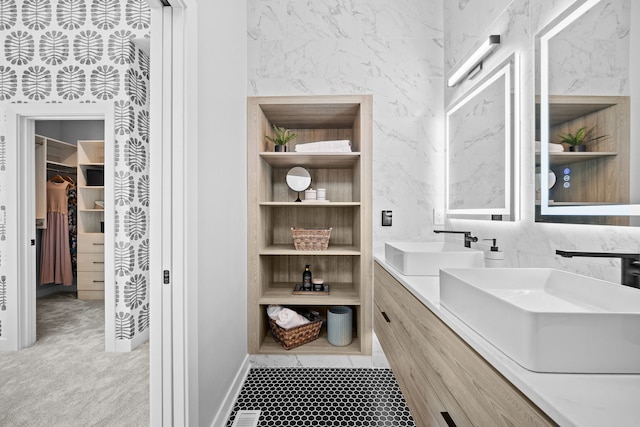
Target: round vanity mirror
x=298 y=179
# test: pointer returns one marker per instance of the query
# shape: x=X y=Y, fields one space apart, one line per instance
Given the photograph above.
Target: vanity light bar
x=476 y=58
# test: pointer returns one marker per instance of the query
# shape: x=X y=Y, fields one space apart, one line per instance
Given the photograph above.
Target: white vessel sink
x=549 y=320
x=427 y=258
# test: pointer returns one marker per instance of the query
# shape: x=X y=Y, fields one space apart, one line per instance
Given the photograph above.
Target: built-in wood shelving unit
x=274 y=266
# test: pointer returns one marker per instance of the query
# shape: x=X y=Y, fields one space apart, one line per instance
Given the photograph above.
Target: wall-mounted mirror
x=298 y=179
x=586 y=79
x=481 y=176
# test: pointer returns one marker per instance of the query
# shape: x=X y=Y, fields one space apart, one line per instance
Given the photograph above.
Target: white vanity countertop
x=579 y=400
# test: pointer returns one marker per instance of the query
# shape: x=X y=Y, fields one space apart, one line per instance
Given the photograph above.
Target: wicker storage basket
x=295 y=337
x=311 y=239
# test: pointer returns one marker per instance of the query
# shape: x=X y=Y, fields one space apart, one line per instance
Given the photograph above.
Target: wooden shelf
x=563 y=109
x=310 y=204
x=290 y=250
x=319 y=346
x=569 y=157
x=281 y=293
x=316 y=160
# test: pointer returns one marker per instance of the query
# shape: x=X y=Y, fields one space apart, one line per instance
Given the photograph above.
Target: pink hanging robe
x=55 y=261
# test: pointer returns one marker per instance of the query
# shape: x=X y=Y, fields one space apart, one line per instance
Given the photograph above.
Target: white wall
x=221 y=225
x=526 y=243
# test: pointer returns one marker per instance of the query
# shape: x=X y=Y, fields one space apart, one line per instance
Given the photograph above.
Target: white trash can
x=339 y=325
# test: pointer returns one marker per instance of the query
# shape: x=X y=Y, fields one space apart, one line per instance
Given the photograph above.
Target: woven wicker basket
x=311 y=239
x=295 y=337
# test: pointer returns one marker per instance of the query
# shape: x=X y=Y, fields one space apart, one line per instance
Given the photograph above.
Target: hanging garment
x=55 y=260
x=72 y=197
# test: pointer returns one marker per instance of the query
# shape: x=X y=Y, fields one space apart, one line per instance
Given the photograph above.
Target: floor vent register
x=246 y=419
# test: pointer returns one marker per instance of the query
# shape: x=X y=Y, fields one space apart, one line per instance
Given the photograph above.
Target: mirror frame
x=509 y=69
x=565 y=19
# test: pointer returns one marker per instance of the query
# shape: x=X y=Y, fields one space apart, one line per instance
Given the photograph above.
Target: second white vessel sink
x=549 y=320
x=427 y=258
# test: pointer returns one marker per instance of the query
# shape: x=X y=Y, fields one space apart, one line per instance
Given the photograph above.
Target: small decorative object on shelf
x=311 y=239
x=577 y=141
x=282 y=136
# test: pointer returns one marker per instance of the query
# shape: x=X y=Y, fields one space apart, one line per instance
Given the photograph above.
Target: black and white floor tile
x=323 y=397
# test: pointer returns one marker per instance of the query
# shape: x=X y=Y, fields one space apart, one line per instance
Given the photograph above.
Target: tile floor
x=323 y=397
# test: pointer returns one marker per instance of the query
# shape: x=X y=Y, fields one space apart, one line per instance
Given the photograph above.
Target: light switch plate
x=387 y=217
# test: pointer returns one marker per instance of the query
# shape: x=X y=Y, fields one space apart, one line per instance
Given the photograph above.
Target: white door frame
x=20 y=132
x=169 y=396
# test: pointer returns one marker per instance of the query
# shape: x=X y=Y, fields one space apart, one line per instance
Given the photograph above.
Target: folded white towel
x=555 y=148
x=288 y=319
x=337 y=146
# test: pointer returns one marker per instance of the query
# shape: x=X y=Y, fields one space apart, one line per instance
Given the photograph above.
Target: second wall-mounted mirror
x=481 y=171
x=586 y=80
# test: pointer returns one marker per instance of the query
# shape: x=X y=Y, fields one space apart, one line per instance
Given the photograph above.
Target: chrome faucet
x=630 y=264
x=468 y=238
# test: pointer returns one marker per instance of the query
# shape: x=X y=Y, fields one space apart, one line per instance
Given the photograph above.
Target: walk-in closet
x=69 y=191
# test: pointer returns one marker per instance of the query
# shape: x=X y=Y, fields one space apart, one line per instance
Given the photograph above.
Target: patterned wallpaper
x=58 y=51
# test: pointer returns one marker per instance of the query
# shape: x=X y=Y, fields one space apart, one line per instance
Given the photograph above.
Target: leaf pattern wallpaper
x=58 y=51
x=54 y=47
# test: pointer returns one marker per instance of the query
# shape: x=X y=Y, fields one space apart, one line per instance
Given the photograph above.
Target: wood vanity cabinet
x=440 y=375
x=274 y=265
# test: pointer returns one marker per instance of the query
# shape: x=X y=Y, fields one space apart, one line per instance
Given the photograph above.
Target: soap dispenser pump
x=494 y=253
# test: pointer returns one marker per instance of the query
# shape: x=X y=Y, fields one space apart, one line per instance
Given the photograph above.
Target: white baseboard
x=230 y=399
x=124 y=346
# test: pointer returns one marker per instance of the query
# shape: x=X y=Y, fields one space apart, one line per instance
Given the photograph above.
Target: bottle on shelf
x=306 y=278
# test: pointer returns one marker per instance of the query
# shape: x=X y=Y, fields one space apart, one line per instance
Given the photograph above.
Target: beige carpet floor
x=67 y=379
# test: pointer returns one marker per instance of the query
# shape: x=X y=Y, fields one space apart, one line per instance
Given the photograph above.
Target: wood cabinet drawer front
x=427 y=365
x=486 y=396
x=87 y=295
x=393 y=302
x=91 y=243
x=91 y=262
x=91 y=280
x=426 y=405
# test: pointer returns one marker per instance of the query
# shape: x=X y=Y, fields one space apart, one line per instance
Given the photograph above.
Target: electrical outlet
x=438 y=217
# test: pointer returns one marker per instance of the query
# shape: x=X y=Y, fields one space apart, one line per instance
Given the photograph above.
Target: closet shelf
x=61 y=165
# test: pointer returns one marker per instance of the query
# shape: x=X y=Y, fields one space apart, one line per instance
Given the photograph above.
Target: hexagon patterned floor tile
x=323 y=397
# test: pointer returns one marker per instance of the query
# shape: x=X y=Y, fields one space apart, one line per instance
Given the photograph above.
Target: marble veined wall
x=526 y=243
x=390 y=49
x=591 y=55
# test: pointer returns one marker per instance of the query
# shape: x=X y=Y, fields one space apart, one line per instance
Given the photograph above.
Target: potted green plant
x=577 y=141
x=281 y=137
